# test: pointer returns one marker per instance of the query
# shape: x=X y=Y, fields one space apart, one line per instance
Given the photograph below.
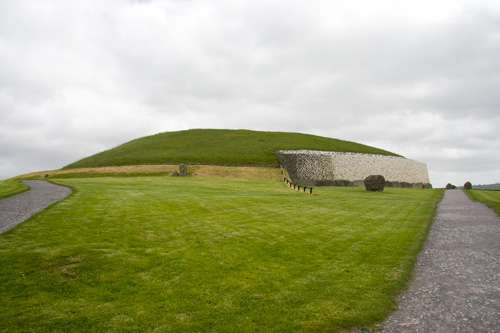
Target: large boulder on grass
x=468 y=186
x=374 y=183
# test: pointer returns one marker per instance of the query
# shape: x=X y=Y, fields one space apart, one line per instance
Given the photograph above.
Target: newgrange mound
x=216 y=146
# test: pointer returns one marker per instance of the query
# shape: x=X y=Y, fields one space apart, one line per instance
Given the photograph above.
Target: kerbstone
x=375 y=183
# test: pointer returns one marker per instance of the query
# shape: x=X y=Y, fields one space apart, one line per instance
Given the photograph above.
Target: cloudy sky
x=419 y=78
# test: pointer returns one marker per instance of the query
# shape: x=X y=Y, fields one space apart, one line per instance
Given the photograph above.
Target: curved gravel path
x=456 y=286
x=20 y=207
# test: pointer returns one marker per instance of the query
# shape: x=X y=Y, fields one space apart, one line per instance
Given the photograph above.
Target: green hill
x=213 y=146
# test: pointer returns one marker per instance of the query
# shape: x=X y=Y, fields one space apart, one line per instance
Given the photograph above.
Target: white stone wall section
x=309 y=165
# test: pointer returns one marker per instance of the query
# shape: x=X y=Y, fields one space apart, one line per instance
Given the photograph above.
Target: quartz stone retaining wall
x=316 y=168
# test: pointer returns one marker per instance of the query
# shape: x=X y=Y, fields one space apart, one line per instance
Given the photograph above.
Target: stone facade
x=312 y=168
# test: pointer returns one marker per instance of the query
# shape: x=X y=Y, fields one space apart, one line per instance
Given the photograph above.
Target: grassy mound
x=210 y=146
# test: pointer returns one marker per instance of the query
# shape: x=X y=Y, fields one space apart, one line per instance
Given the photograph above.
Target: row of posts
x=295 y=186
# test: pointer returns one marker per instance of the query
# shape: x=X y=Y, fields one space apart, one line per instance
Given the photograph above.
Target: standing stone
x=375 y=183
x=183 y=170
x=468 y=186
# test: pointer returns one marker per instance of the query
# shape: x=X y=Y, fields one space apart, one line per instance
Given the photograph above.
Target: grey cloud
x=86 y=76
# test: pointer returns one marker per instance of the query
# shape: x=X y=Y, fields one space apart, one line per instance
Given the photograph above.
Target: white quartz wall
x=319 y=165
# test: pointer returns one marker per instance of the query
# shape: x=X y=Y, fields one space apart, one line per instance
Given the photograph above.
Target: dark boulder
x=375 y=183
x=175 y=174
x=468 y=186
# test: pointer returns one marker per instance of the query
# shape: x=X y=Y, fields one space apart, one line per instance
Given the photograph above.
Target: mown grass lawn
x=490 y=198
x=173 y=254
x=11 y=187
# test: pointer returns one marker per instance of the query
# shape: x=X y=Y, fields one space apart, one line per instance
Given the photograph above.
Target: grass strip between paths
x=193 y=254
x=490 y=198
x=11 y=187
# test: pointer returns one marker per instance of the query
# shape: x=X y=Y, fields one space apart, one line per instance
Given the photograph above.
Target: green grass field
x=490 y=198
x=11 y=187
x=210 y=146
x=171 y=254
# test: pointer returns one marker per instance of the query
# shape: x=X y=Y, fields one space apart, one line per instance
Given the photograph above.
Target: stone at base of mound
x=338 y=182
x=360 y=183
x=408 y=185
x=375 y=183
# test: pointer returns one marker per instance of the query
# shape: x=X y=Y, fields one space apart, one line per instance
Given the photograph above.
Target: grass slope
x=211 y=146
x=201 y=171
x=11 y=187
x=193 y=255
x=488 y=197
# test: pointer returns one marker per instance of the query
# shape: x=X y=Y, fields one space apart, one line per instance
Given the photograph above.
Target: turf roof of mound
x=213 y=146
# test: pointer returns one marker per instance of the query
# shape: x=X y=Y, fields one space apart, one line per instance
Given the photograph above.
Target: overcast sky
x=419 y=78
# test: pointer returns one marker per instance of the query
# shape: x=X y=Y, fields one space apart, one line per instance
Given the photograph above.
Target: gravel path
x=456 y=286
x=20 y=207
